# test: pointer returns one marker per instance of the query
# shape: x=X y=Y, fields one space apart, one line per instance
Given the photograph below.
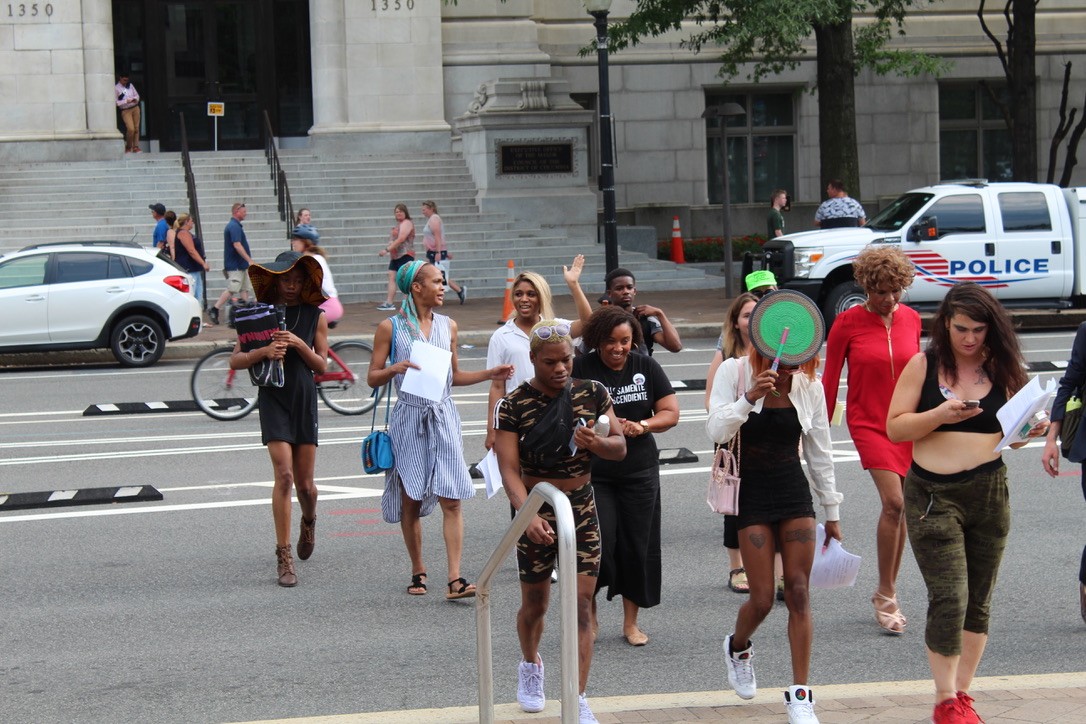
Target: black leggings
x=1082 y=565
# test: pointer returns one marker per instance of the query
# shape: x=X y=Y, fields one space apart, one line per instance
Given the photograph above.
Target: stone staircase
x=352 y=200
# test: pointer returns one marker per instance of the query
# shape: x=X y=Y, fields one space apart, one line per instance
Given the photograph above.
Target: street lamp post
x=599 y=9
x=723 y=112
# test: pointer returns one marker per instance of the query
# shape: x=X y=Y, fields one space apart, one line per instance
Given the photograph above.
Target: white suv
x=90 y=294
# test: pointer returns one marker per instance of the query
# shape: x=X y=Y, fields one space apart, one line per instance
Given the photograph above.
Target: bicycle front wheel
x=350 y=394
x=219 y=391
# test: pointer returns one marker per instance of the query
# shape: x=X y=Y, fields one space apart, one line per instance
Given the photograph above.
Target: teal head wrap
x=405 y=276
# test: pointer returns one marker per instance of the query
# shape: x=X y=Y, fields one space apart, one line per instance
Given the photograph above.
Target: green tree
x=772 y=35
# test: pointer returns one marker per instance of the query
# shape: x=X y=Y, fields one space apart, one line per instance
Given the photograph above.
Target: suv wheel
x=137 y=341
x=842 y=298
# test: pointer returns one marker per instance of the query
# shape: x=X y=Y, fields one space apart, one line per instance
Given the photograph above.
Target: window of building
x=1025 y=211
x=761 y=146
x=973 y=137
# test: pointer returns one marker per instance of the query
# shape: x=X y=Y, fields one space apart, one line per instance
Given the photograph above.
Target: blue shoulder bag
x=377 y=446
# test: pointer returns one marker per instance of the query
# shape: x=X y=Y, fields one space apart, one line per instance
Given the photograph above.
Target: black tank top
x=986 y=422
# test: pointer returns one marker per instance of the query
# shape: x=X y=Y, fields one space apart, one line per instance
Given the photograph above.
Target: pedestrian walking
x=400 y=251
x=189 y=254
x=236 y=261
x=532 y=301
x=1071 y=385
x=303 y=239
x=877 y=339
x=734 y=342
x=957 y=509
x=128 y=102
x=437 y=252
x=288 y=414
x=426 y=435
x=628 y=491
x=533 y=445
x=772 y=411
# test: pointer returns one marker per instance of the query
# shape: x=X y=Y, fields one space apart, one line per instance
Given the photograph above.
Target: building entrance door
x=211 y=53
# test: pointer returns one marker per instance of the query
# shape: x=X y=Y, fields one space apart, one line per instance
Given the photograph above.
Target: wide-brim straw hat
x=264 y=278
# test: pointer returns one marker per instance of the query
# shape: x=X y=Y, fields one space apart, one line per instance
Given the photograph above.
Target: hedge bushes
x=711 y=248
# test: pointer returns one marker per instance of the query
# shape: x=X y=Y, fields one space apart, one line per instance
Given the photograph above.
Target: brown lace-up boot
x=285 y=569
x=306 y=538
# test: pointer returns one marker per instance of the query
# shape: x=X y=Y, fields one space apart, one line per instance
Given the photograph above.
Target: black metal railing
x=190 y=188
x=279 y=177
x=190 y=179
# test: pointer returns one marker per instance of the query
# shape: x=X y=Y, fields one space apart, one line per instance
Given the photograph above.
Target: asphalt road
x=169 y=612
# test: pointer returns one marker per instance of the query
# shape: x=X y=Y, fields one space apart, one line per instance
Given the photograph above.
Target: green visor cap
x=763 y=278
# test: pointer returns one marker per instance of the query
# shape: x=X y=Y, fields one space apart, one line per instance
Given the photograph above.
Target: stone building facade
x=405 y=76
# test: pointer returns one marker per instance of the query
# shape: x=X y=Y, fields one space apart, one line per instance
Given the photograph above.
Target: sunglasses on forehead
x=553 y=330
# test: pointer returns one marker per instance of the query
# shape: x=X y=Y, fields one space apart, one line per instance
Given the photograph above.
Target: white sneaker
x=740 y=669
x=530 y=686
x=586 y=715
x=554 y=575
x=385 y=307
x=799 y=701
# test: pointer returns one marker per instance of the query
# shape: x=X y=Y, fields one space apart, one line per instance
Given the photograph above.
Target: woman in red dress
x=877 y=339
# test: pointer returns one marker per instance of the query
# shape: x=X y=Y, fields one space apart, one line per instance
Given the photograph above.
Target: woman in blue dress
x=426 y=436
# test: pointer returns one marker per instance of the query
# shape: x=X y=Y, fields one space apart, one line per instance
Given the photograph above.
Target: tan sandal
x=892 y=621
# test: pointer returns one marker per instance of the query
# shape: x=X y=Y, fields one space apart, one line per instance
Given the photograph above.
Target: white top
x=328 y=286
x=510 y=345
x=727 y=414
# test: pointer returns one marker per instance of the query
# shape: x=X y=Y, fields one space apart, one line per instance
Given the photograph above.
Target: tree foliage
x=773 y=34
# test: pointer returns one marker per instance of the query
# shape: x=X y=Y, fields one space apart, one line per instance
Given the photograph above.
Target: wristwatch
x=644 y=427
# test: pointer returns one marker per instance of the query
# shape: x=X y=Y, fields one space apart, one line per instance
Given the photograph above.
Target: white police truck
x=1021 y=241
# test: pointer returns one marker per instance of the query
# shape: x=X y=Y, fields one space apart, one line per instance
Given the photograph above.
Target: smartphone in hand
x=970 y=404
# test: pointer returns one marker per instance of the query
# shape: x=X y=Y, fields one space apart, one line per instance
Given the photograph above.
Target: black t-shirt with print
x=634 y=391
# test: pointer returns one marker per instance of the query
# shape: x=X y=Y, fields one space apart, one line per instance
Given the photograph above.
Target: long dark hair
x=604 y=320
x=1003 y=357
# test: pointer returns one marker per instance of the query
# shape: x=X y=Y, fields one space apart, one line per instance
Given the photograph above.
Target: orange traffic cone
x=507 y=307
x=677 y=243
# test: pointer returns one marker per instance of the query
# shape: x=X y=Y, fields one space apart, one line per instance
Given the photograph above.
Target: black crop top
x=986 y=422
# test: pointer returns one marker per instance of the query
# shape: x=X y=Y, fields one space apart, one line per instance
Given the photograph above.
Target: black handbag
x=1072 y=416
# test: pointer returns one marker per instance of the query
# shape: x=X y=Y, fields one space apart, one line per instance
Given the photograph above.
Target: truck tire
x=841 y=298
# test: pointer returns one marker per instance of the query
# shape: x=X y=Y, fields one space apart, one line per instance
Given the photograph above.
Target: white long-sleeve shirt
x=727 y=414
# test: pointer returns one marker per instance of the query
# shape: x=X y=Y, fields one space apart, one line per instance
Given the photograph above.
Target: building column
x=329 y=63
x=101 y=116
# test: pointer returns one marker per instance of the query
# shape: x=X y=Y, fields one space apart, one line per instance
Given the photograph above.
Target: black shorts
x=395 y=264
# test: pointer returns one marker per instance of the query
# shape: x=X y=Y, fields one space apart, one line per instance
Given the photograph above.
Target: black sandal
x=417 y=583
x=462 y=589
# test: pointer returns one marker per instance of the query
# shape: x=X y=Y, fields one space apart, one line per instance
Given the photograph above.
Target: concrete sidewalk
x=999 y=700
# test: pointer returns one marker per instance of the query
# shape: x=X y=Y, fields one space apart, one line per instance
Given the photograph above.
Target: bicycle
x=226 y=394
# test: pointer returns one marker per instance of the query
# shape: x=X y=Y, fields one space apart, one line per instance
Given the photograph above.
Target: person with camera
x=533 y=444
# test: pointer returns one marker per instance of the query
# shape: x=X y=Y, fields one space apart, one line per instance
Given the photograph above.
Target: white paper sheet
x=492 y=475
x=429 y=380
x=833 y=567
x=1016 y=417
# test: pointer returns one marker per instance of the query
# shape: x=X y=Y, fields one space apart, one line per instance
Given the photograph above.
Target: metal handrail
x=278 y=175
x=567 y=587
x=190 y=188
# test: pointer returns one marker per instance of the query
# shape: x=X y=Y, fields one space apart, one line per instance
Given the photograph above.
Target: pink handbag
x=723 y=495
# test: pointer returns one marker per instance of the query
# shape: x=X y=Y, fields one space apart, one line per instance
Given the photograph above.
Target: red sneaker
x=967 y=706
x=951 y=711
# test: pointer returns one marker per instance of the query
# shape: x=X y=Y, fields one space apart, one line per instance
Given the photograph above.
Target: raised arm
x=572 y=275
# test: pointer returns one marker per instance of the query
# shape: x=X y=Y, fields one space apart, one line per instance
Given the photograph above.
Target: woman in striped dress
x=426 y=437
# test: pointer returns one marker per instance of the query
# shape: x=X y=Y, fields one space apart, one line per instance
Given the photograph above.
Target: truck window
x=1024 y=211
x=898 y=213
x=963 y=214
